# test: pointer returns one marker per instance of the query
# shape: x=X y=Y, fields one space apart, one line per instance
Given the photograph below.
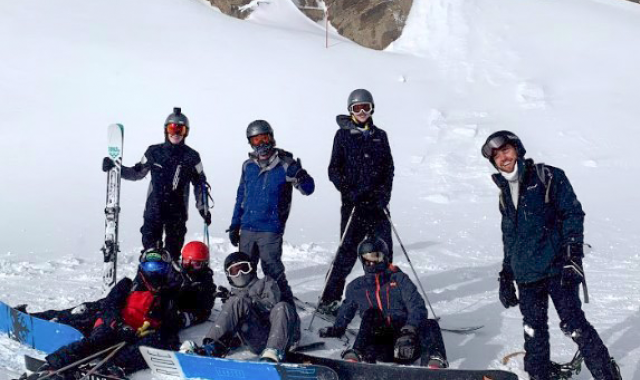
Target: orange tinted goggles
x=176 y=129
x=361 y=107
x=260 y=139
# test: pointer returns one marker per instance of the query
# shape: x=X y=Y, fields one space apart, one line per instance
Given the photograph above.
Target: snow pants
x=366 y=221
x=534 y=306
x=376 y=339
x=82 y=322
x=278 y=329
x=266 y=248
x=172 y=224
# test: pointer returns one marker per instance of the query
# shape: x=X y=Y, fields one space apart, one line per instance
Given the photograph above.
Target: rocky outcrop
x=234 y=8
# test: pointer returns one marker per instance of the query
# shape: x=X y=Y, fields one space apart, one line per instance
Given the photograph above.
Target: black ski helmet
x=259 y=127
x=499 y=139
x=360 y=96
x=242 y=279
x=177 y=117
x=374 y=244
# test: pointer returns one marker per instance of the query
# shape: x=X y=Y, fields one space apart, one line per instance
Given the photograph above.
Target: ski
x=186 y=366
x=115 y=136
x=366 y=371
x=32 y=364
x=310 y=307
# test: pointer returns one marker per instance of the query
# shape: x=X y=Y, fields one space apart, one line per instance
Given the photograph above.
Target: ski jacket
x=263 y=199
x=390 y=291
x=264 y=294
x=172 y=167
x=361 y=165
x=549 y=216
x=196 y=296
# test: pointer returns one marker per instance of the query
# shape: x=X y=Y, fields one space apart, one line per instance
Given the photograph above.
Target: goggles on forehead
x=235 y=270
x=376 y=257
x=361 y=107
x=493 y=144
x=174 y=129
x=260 y=139
x=154 y=256
x=194 y=264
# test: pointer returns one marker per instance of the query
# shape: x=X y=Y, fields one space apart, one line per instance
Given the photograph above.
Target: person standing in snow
x=263 y=202
x=543 y=236
x=255 y=311
x=173 y=165
x=361 y=168
x=395 y=325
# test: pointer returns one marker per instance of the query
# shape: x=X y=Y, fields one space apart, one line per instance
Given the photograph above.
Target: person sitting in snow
x=543 y=235
x=255 y=312
x=395 y=325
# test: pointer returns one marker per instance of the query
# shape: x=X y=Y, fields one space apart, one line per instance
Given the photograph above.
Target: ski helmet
x=195 y=256
x=374 y=254
x=239 y=269
x=177 y=118
x=262 y=147
x=155 y=267
x=499 y=139
x=360 y=96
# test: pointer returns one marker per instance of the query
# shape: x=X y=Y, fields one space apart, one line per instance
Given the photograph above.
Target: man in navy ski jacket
x=543 y=236
x=263 y=202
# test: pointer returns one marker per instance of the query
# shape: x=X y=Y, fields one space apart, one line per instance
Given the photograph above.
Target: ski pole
x=79 y=362
x=424 y=294
x=326 y=280
x=101 y=362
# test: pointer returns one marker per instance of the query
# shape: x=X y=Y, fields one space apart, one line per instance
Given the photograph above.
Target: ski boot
x=329 y=308
x=271 y=355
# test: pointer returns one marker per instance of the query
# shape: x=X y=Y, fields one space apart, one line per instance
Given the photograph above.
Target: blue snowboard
x=34 y=332
x=186 y=366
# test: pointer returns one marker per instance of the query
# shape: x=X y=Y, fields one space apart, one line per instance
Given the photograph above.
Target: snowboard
x=366 y=371
x=186 y=366
x=36 y=333
x=115 y=138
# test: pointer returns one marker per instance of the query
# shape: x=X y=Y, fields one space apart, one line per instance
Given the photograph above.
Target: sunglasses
x=375 y=257
x=260 y=139
x=174 y=129
x=361 y=107
x=235 y=270
x=194 y=264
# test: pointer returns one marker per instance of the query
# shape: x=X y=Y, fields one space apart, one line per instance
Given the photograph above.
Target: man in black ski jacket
x=173 y=165
x=395 y=325
x=543 y=236
x=361 y=168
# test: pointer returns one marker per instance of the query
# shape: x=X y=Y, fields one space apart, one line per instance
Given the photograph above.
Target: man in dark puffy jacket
x=263 y=202
x=395 y=325
x=173 y=165
x=361 y=168
x=543 y=236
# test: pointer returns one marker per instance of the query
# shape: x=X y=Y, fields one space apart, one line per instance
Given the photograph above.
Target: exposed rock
x=232 y=8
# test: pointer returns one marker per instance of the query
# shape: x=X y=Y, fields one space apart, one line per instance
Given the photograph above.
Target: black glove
x=206 y=215
x=407 y=346
x=127 y=333
x=293 y=169
x=107 y=164
x=572 y=271
x=508 y=296
x=234 y=235
x=222 y=293
x=331 y=332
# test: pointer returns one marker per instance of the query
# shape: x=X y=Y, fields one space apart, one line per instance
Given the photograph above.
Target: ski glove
x=508 y=296
x=234 y=235
x=572 y=271
x=206 y=216
x=294 y=169
x=222 y=293
x=107 y=164
x=331 y=332
x=407 y=346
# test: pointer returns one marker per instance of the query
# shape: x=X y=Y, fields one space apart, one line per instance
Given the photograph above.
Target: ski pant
x=277 y=329
x=102 y=337
x=173 y=225
x=266 y=247
x=82 y=322
x=366 y=222
x=534 y=305
x=376 y=338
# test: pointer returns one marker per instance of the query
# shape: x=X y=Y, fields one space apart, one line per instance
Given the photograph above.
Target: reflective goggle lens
x=260 y=139
x=176 y=129
x=237 y=269
x=493 y=144
x=194 y=264
x=375 y=257
x=361 y=107
x=154 y=256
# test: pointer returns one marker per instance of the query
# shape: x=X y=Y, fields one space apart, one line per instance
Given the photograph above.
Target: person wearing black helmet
x=255 y=312
x=173 y=165
x=263 y=202
x=395 y=325
x=543 y=236
x=362 y=170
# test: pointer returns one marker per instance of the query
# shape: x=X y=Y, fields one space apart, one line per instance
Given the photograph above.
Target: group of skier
x=542 y=225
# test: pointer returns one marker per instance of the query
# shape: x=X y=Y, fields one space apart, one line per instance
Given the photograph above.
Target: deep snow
x=562 y=75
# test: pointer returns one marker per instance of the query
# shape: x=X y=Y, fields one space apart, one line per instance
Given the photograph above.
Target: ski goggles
x=361 y=107
x=235 y=270
x=155 y=256
x=174 y=129
x=495 y=143
x=375 y=257
x=194 y=264
x=258 y=140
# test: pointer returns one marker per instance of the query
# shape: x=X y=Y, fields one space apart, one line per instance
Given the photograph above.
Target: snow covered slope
x=562 y=75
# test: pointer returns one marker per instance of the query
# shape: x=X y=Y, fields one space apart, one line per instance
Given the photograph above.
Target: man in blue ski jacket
x=263 y=202
x=543 y=236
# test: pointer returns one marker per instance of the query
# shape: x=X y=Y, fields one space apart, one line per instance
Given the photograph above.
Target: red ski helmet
x=195 y=256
